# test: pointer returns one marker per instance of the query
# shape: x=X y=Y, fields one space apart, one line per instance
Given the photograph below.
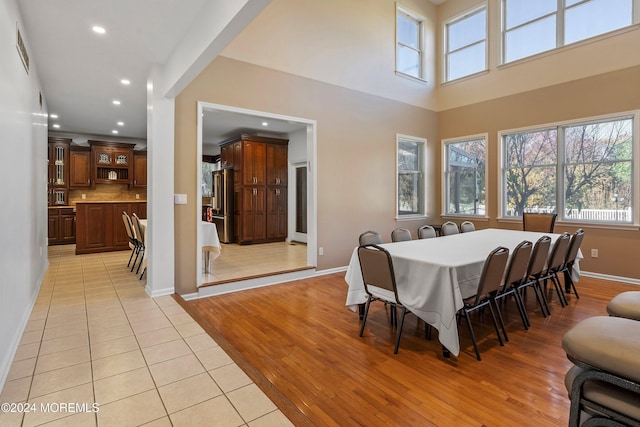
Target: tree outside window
x=410 y=164
x=465 y=176
x=591 y=163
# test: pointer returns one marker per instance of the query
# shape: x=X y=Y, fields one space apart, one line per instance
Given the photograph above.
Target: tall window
x=582 y=171
x=466 y=44
x=531 y=27
x=465 y=176
x=409 y=45
x=411 y=189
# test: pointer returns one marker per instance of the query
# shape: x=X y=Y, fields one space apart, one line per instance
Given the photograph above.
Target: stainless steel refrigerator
x=223 y=204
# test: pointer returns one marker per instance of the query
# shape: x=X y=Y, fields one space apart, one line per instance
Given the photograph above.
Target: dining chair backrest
x=492 y=273
x=518 y=262
x=127 y=226
x=449 y=228
x=558 y=252
x=138 y=228
x=539 y=256
x=467 y=226
x=370 y=238
x=540 y=222
x=574 y=246
x=376 y=266
x=400 y=235
x=426 y=232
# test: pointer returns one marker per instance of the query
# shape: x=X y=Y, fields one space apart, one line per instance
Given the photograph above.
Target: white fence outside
x=605 y=215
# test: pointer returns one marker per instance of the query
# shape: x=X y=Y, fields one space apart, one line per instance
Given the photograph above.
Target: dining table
x=434 y=276
x=210 y=243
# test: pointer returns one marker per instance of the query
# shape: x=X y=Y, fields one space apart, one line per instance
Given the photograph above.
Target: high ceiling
x=81 y=71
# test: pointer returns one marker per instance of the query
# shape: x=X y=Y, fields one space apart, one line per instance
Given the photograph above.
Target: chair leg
x=140 y=265
x=473 y=336
x=523 y=310
x=142 y=274
x=542 y=299
x=132 y=251
x=427 y=331
x=399 y=333
x=364 y=317
x=556 y=285
x=504 y=328
x=495 y=324
x=568 y=284
x=135 y=260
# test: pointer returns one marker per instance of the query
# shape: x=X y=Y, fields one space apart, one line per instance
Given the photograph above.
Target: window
x=409 y=36
x=466 y=44
x=465 y=176
x=411 y=189
x=583 y=170
x=531 y=27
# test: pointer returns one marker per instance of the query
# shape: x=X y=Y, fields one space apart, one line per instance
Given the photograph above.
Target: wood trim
x=255 y=138
x=111 y=144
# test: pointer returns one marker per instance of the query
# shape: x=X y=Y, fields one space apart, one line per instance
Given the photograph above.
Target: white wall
x=297 y=153
x=23 y=174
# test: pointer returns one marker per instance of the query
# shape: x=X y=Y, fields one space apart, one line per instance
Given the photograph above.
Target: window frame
x=633 y=115
x=420 y=20
x=445 y=175
x=457 y=19
x=559 y=13
x=422 y=192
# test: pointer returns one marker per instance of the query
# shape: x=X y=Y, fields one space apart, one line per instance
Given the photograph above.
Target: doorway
x=217 y=123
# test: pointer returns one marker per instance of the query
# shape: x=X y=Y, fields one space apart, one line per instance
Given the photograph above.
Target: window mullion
x=560 y=176
x=560 y=23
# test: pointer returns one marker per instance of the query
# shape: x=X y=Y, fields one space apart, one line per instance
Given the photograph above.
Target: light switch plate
x=180 y=199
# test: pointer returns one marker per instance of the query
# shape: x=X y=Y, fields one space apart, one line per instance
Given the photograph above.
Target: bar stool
x=604 y=384
x=626 y=304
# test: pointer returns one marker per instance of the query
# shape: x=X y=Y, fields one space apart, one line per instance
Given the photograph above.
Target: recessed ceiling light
x=265 y=124
x=53 y=116
x=56 y=126
x=114 y=131
x=120 y=123
x=116 y=102
x=98 y=29
x=125 y=82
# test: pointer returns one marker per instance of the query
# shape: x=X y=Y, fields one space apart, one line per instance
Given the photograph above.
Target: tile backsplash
x=107 y=192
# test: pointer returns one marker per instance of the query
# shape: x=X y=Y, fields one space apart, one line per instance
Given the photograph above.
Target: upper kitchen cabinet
x=58 y=170
x=112 y=161
x=79 y=167
x=140 y=169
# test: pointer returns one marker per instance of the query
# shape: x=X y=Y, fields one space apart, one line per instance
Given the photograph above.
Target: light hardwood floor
x=246 y=261
x=299 y=340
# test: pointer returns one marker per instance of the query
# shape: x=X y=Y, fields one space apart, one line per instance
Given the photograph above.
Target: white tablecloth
x=211 y=247
x=434 y=275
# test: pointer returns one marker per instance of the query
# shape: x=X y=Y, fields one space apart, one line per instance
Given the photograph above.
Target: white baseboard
x=159 y=292
x=629 y=280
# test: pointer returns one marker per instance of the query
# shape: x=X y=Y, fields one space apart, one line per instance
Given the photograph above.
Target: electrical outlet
x=594 y=253
x=137 y=196
x=84 y=196
x=320 y=251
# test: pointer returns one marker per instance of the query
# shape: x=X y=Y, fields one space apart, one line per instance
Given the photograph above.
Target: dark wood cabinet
x=100 y=227
x=79 y=167
x=139 y=169
x=260 y=187
x=58 y=171
x=112 y=162
x=61 y=226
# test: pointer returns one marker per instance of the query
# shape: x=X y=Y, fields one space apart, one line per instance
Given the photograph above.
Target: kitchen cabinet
x=61 y=226
x=139 y=169
x=79 y=167
x=100 y=227
x=112 y=162
x=260 y=187
x=58 y=171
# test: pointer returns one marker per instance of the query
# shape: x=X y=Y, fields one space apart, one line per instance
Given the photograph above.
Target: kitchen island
x=99 y=226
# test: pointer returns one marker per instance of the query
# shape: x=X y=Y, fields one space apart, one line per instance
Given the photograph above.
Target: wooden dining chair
x=370 y=237
x=489 y=284
x=426 y=232
x=400 y=235
x=449 y=228
x=513 y=278
x=379 y=281
x=540 y=222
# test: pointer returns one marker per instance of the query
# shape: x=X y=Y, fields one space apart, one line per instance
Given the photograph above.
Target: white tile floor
x=96 y=338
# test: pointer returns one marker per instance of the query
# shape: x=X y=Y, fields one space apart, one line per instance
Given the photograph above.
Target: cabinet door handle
x=255 y=192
